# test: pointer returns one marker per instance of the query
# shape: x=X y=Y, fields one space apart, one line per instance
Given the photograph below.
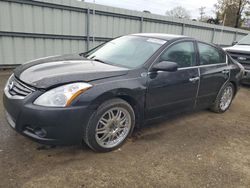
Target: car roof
x=162 y=36
x=171 y=37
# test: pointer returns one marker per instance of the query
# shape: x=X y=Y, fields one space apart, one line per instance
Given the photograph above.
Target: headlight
x=62 y=96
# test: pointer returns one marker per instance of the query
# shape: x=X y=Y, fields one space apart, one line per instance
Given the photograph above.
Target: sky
x=161 y=6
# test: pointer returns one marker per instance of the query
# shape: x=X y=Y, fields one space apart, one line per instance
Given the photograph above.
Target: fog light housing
x=40 y=132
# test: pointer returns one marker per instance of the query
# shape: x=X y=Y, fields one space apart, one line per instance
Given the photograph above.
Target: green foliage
x=178 y=12
x=232 y=11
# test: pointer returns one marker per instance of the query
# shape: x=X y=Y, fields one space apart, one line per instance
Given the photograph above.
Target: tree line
x=232 y=13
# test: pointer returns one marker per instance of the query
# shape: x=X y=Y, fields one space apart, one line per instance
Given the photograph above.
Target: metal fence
x=38 y=28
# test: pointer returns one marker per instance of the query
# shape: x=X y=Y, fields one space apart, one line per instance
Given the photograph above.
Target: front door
x=172 y=92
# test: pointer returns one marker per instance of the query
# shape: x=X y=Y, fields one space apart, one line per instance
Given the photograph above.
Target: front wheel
x=224 y=99
x=109 y=126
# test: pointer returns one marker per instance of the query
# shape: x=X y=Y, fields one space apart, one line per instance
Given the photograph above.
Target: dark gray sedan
x=100 y=96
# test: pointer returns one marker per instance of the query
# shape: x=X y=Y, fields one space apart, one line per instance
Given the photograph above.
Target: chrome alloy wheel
x=226 y=98
x=113 y=127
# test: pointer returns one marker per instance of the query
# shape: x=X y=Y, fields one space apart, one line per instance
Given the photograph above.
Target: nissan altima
x=100 y=96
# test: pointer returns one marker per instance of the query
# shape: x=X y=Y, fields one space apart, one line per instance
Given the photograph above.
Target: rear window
x=210 y=55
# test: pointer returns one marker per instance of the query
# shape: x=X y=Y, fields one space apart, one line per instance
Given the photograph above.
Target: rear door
x=214 y=72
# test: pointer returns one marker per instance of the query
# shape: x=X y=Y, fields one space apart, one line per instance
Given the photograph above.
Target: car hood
x=47 y=72
x=239 y=48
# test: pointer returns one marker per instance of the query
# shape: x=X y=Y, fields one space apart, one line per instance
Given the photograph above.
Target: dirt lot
x=195 y=150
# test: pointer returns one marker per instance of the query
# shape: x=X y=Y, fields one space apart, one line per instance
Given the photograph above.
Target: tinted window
x=182 y=53
x=210 y=55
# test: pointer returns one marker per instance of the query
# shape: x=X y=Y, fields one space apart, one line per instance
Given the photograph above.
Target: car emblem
x=11 y=85
x=242 y=58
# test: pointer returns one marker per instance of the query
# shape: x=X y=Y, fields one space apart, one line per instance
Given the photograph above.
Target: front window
x=127 y=51
x=182 y=53
x=245 y=40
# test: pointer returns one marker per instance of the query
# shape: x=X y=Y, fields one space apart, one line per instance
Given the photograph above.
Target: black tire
x=90 y=130
x=216 y=107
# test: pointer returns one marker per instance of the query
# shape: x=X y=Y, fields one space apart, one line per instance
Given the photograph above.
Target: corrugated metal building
x=34 y=29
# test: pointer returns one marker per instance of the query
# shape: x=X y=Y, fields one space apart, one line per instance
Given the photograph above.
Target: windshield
x=245 y=40
x=127 y=51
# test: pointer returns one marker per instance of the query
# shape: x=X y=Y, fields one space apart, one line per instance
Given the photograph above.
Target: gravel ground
x=202 y=149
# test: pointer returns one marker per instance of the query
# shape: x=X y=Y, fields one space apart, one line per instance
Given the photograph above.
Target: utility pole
x=93 y=34
x=202 y=12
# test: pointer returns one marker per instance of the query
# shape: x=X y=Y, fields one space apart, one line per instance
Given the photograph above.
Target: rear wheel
x=110 y=125
x=224 y=99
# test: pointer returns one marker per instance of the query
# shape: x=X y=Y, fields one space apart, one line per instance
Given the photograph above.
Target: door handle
x=225 y=71
x=194 y=79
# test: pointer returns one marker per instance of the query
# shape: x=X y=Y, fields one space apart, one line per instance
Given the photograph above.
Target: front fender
x=131 y=90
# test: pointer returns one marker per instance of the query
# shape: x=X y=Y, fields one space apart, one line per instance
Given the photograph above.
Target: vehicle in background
x=240 y=51
x=100 y=96
x=215 y=21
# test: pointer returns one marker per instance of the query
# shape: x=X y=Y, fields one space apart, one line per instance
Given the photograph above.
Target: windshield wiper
x=99 y=60
x=84 y=54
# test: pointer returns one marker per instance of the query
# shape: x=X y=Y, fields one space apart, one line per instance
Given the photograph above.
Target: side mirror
x=234 y=42
x=165 y=66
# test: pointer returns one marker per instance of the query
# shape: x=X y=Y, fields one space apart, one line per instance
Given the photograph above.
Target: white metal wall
x=34 y=29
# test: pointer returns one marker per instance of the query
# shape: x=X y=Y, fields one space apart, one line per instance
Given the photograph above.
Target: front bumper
x=46 y=125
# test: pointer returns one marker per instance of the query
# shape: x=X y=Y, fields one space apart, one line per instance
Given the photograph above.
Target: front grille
x=242 y=58
x=16 y=88
x=246 y=66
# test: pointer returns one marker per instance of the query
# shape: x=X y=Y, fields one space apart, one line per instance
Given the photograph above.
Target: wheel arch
x=235 y=86
x=135 y=99
x=130 y=100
